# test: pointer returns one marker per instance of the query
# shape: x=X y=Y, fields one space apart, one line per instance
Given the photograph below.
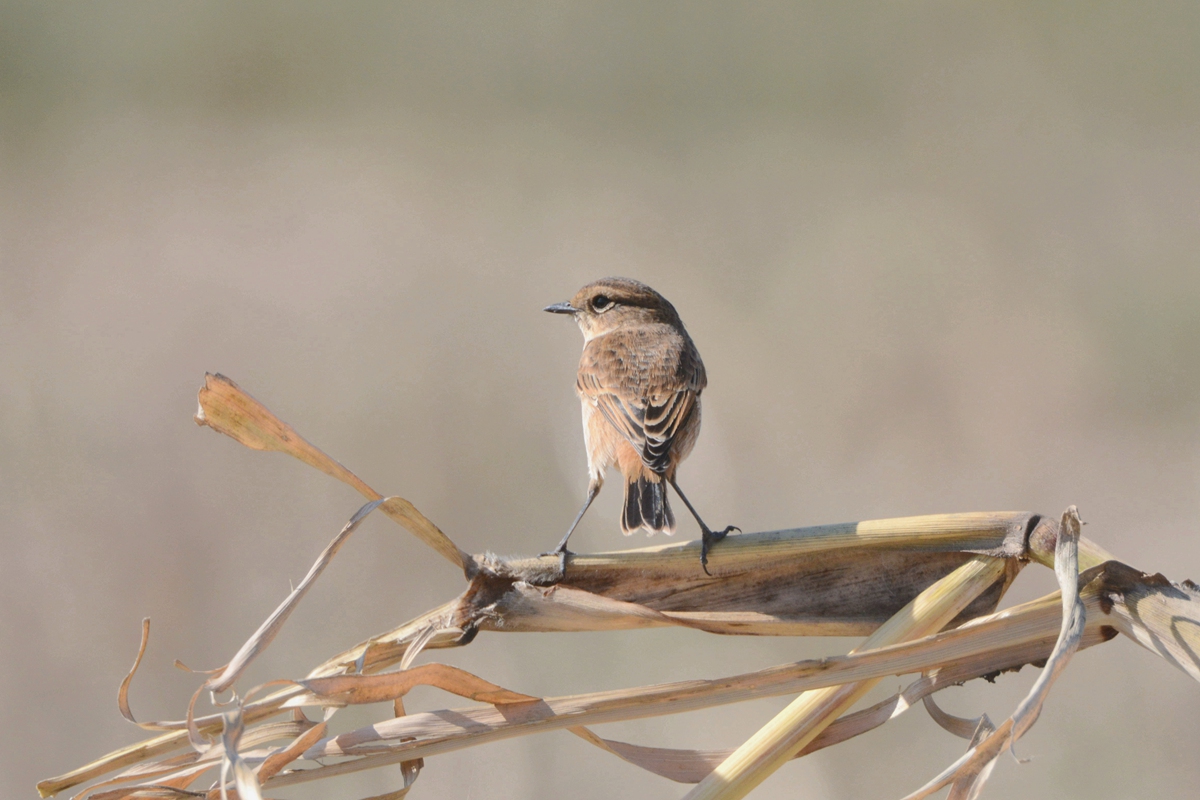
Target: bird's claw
x=708 y=539
x=562 y=554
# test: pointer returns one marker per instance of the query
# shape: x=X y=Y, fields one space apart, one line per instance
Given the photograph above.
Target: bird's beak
x=561 y=308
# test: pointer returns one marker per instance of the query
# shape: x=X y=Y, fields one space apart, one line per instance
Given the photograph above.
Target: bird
x=639 y=384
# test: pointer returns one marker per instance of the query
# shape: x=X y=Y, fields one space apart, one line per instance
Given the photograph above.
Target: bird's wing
x=646 y=384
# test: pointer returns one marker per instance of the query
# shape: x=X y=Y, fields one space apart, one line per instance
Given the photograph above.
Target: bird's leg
x=561 y=551
x=708 y=537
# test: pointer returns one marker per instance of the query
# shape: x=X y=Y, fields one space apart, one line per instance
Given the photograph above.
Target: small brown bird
x=639 y=382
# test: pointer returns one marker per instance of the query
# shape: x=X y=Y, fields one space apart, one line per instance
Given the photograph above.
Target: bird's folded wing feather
x=645 y=386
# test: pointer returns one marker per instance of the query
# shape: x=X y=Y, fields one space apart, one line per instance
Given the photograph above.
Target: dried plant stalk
x=891 y=580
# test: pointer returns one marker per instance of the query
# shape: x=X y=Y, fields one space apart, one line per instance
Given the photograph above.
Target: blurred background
x=937 y=258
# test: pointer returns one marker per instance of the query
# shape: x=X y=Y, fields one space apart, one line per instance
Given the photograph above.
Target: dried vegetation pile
x=922 y=590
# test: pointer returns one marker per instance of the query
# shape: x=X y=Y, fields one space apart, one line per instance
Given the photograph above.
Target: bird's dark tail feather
x=646 y=507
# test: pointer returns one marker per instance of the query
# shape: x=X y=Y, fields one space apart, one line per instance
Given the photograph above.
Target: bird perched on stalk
x=640 y=379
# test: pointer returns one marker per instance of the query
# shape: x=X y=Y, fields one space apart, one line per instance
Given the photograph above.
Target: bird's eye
x=601 y=303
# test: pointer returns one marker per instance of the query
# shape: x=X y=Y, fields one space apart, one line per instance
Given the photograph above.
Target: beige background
x=936 y=258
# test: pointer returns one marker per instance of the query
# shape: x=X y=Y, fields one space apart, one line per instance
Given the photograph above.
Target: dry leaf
x=360 y=689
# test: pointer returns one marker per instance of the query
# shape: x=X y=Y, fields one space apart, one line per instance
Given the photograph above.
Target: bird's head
x=613 y=303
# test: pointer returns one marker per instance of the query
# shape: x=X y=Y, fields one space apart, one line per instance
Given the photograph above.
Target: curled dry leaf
x=961 y=727
x=123 y=691
x=360 y=689
x=277 y=761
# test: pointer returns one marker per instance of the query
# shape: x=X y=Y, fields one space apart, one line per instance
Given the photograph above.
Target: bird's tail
x=646 y=507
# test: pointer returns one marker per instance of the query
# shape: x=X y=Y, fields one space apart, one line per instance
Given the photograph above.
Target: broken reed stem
x=1043 y=543
x=990 y=532
x=807 y=715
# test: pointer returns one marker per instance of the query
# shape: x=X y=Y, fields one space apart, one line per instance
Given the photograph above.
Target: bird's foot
x=708 y=539
x=562 y=552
